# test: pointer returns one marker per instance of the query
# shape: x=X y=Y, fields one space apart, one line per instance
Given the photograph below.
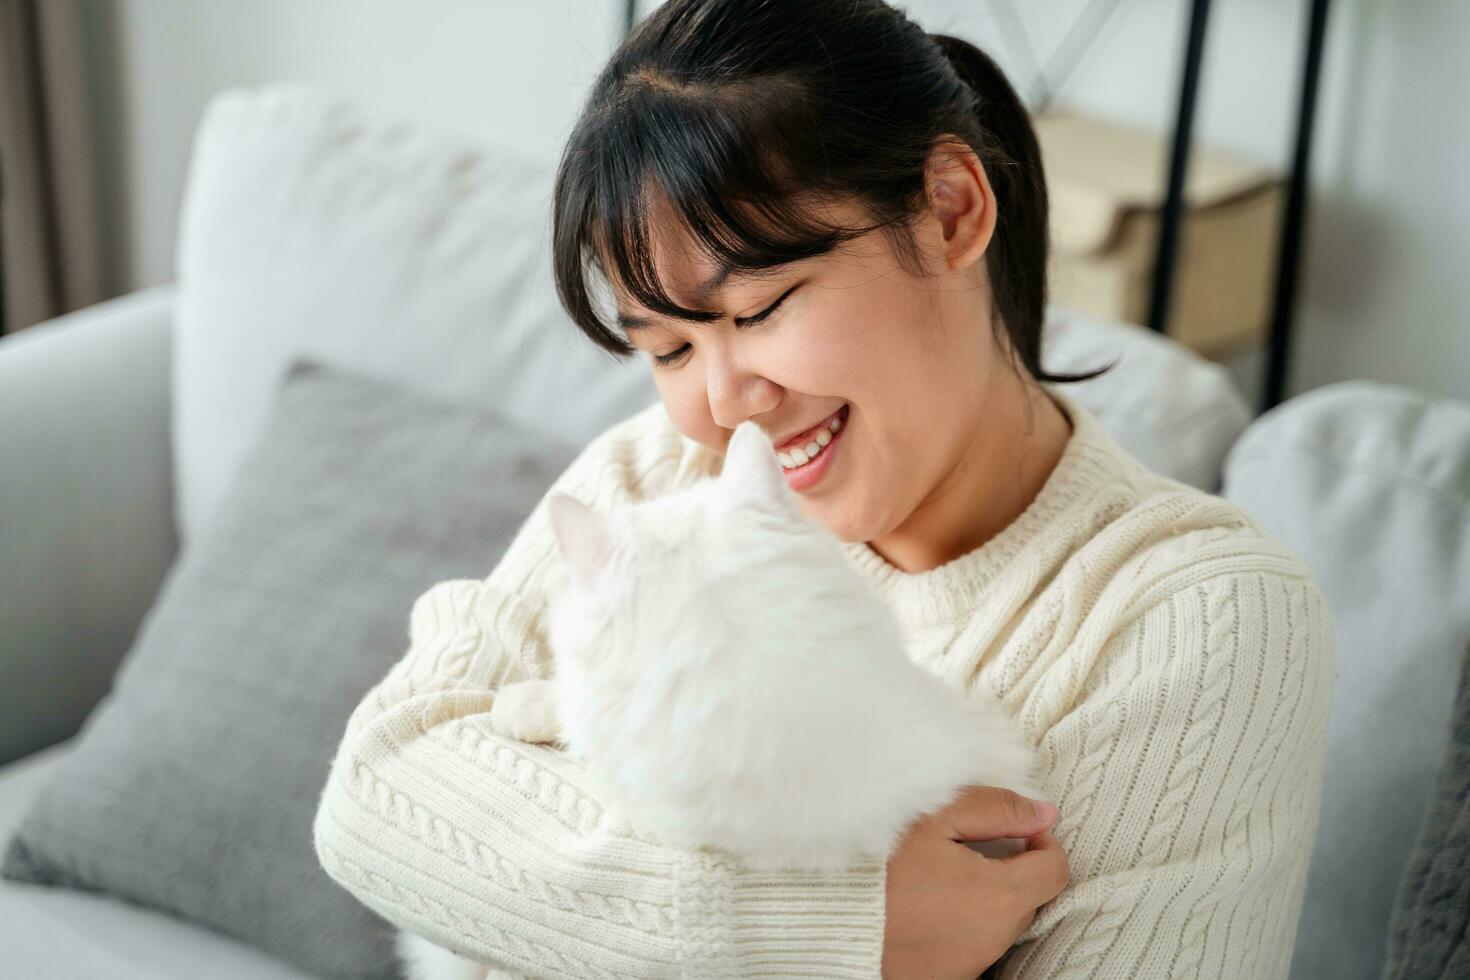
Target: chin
x=843 y=528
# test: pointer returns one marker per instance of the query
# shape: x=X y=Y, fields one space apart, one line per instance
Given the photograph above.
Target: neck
x=993 y=482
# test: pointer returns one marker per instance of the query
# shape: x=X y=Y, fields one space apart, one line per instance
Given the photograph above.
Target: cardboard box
x=1107 y=183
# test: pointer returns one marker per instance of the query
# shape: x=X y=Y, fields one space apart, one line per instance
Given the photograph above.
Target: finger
x=988 y=812
x=1040 y=872
x=1045 y=840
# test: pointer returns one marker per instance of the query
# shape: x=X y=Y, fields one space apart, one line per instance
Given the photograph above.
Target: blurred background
x=279 y=350
x=1381 y=294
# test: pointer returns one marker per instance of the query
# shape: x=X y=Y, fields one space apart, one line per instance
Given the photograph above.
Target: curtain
x=51 y=249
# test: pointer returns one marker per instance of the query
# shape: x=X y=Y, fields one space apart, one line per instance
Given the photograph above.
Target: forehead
x=690 y=277
x=696 y=280
x=700 y=289
x=682 y=266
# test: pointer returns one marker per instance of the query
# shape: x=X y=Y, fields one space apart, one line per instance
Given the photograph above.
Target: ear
x=962 y=200
x=582 y=536
x=751 y=474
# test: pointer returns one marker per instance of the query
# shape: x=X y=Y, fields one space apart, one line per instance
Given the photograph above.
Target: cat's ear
x=751 y=474
x=582 y=536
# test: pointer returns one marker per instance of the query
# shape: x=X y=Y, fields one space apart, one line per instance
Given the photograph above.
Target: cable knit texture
x=1170 y=660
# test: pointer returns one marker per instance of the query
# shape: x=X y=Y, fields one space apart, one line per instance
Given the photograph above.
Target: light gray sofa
x=311 y=227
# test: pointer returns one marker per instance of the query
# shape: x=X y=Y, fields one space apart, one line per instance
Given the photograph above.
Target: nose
x=736 y=392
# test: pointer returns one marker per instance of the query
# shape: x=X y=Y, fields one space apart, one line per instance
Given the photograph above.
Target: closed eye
x=740 y=322
x=757 y=318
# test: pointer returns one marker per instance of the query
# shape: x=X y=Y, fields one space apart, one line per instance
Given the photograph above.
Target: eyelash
x=665 y=360
x=668 y=359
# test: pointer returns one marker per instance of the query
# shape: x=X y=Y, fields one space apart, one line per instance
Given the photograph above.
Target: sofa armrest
x=86 y=506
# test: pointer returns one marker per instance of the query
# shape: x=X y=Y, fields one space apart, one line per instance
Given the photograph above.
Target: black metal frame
x=1293 y=221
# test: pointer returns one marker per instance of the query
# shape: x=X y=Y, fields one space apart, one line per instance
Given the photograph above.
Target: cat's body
x=731 y=681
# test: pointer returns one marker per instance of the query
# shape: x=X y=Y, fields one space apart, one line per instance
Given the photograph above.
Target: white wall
x=1382 y=292
x=489 y=69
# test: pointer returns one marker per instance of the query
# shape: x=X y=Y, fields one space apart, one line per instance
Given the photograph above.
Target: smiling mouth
x=810 y=445
x=805 y=436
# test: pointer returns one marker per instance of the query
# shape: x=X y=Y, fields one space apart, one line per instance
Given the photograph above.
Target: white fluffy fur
x=424 y=960
x=730 y=680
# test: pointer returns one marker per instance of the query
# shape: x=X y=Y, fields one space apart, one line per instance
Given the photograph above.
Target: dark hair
x=741 y=112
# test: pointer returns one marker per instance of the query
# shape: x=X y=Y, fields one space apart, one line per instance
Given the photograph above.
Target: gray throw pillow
x=195 y=780
x=1429 y=931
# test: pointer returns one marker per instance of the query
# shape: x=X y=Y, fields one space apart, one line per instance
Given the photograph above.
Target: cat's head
x=734 y=547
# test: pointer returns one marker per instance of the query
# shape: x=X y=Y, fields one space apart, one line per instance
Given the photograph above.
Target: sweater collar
x=953 y=590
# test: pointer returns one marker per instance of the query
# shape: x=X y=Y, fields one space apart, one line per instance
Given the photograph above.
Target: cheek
x=855 y=364
x=687 y=403
x=830 y=355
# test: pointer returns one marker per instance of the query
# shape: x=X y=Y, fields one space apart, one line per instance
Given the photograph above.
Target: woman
x=809 y=211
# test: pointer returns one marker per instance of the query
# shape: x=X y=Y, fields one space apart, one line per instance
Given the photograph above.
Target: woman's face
x=911 y=359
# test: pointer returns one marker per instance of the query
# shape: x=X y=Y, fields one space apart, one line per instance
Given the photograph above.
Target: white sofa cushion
x=1370 y=484
x=1176 y=411
x=310 y=227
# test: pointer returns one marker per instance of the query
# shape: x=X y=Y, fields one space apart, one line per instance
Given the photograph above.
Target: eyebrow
x=629 y=322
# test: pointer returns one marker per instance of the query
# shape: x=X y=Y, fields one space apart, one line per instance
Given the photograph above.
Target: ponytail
x=1008 y=149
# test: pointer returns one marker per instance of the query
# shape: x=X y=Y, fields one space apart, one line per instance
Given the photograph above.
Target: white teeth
x=802 y=455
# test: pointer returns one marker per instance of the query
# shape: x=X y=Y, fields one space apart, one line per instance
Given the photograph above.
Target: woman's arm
x=500 y=850
x=1191 y=775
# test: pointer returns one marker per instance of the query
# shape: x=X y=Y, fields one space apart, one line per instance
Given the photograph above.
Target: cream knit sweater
x=1171 y=661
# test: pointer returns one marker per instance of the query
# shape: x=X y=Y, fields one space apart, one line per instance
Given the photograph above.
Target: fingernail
x=1045 y=812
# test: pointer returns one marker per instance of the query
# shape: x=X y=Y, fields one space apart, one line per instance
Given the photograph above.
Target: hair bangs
x=698 y=155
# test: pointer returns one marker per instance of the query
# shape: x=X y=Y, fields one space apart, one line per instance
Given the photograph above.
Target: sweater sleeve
x=502 y=851
x=1190 y=783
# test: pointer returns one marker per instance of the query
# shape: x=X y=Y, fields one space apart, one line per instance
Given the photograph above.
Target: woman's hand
x=952 y=911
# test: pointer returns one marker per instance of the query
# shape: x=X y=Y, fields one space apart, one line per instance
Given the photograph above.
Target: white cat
x=729 y=680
